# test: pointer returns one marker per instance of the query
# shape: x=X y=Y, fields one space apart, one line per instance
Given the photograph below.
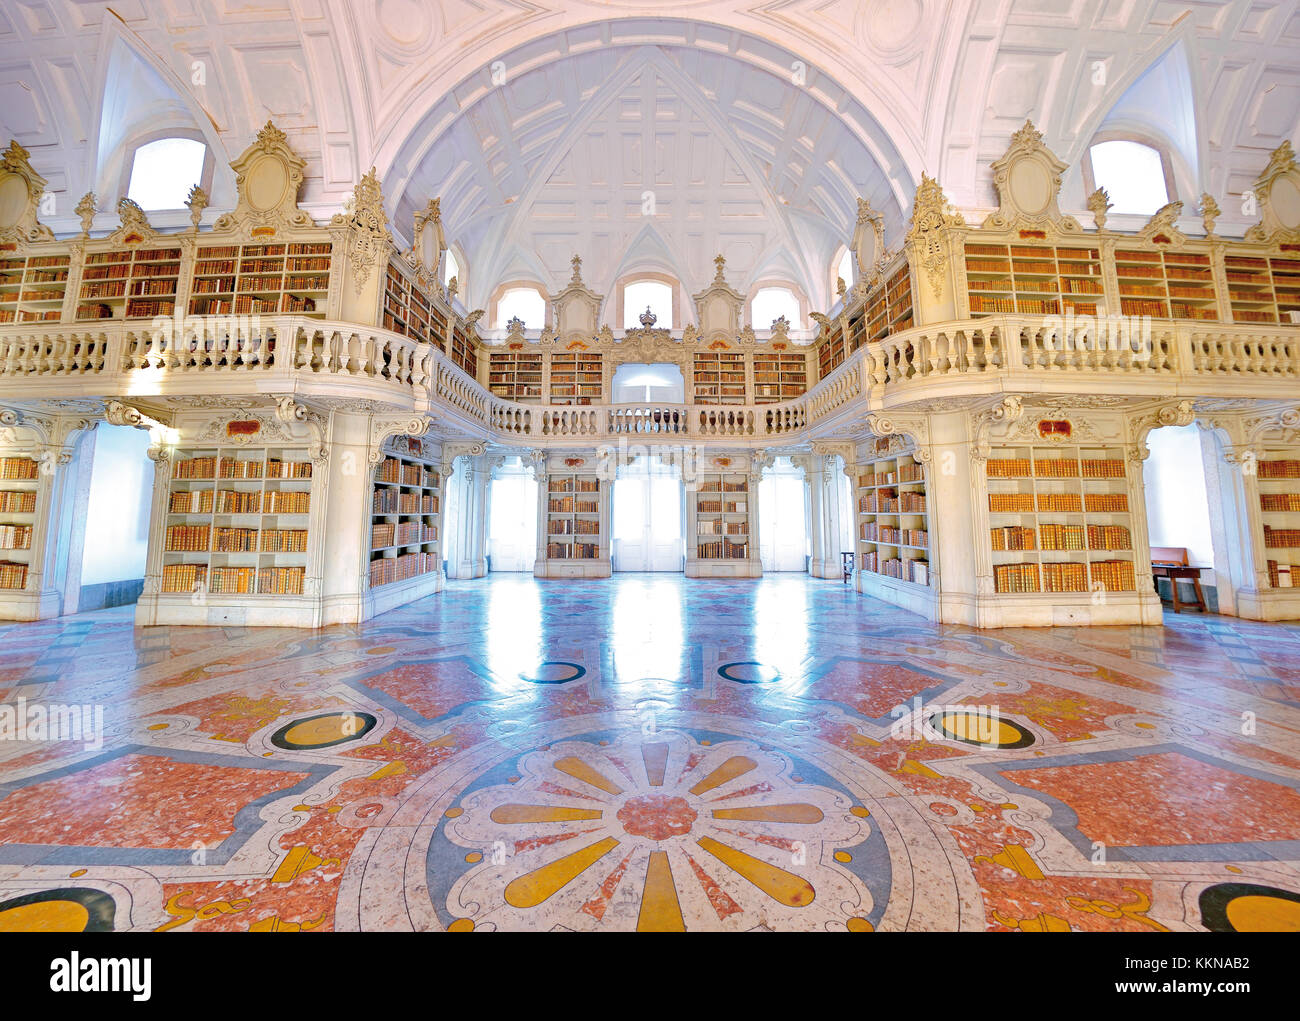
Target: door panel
x=647 y=523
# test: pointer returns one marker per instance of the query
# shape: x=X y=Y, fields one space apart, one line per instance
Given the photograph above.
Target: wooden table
x=1177 y=572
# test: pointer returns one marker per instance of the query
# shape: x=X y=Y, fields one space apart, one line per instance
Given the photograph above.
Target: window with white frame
x=770 y=304
x=164 y=171
x=1133 y=174
x=526 y=303
x=647 y=294
x=451 y=268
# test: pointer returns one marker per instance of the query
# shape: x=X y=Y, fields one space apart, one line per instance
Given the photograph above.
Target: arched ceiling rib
x=935 y=85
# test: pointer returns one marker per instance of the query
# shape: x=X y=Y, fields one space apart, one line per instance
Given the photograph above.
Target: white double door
x=647 y=529
x=783 y=511
x=512 y=526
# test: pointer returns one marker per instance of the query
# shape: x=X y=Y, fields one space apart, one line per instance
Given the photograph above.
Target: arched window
x=164 y=171
x=652 y=294
x=844 y=269
x=451 y=268
x=770 y=303
x=1135 y=176
x=525 y=302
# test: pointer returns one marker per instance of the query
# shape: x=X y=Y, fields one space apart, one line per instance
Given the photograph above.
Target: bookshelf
x=1060 y=520
x=718 y=377
x=236 y=523
x=516 y=375
x=261 y=279
x=19 y=480
x=830 y=353
x=138 y=283
x=1278 y=481
x=405 y=515
x=574 y=540
x=33 y=288
x=893 y=530
x=1166 y=285
x=1032 y=279
x=577 y=377
x=779 y=376
x=724 y=538
x=464 y=355
x=899 y=291
x=1262 y=289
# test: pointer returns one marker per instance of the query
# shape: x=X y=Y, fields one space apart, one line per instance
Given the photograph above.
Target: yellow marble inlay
x=782 y=886
x=532 y=888
x=772 y=813
x=1261 y=913
x=737 y=765
x=660 y=909
x=974 y=727
x=325 y=730
x=45 y=916
x=580 y=770
x=542 y=813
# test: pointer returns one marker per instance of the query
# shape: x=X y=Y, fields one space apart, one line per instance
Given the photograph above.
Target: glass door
x=647 y=522
x=512 y=524
x=783 y=523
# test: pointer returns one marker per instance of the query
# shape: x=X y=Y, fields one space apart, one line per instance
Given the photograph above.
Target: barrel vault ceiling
x=648 y=136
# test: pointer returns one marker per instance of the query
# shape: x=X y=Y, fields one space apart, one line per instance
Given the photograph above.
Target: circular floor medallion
x=555 y=671
x=749 y=672
x=70 y=909
x=1247 y=907
x=982 y=729
x=324 y=730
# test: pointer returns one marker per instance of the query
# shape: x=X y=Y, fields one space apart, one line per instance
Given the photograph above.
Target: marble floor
x=650 y=752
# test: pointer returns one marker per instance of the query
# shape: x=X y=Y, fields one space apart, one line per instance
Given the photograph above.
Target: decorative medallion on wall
x=21 y=189
x=1278 y=192
x=1028 y=182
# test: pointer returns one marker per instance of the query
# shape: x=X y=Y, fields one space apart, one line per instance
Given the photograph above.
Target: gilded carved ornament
x=16 y=175
x=368 y=240
x=915 y=427
x=1028 y=182
x=1140 y=426
x=268 y=175
x=932 y=216
x=1277 y=190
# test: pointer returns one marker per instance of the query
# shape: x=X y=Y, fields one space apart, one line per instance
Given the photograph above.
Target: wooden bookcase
x=516 y=375
x=893 y=519
x=899 y=290
x=1032 y=279
x=1261 y=289
x=573 y=517
x=718 y=377
x=464 y=354
x=19 y=480
x=724 y=512
x=237 y=522
x=134 y=284
x=1278 y=479
x=577 y=377
x=33 y=288
x=779 y=376
x=405 y=515
x=1166 y=285
x=287 y=277
x=1059 y=520
x=831 y=353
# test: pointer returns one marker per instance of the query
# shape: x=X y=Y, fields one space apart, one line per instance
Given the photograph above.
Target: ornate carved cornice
x=1139 y=427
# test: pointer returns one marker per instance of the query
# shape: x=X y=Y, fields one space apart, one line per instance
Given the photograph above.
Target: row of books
x=17 y=501
x=385 y=570
x=15 y=536
x=1054 y=468
x=405 y=533
x=572 y=526
x=1281 y=538
x=394 y=501
x=12 y=575
x=1267 y=501
x=716 y=526
x=18 y=468
x=871 y=531
x=917 y=571
x=721 y=507
x=200 y=501
x=1279 y=575
x=724 y=550
x=233 y=580
x=1059 y=503
x=572 y=551
x=1012 y=537
x=1274 y=469
x=908 y=502
x=567 y=505
x=717 y=486
x=572 y=484
x=394 y=471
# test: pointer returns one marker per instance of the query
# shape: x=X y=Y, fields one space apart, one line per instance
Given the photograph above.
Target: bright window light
x=163 y=172
x=525 y=302
x=845 y=269
x=770 y=303
x=643 y=294
x=1133 y=175
x=451 y=268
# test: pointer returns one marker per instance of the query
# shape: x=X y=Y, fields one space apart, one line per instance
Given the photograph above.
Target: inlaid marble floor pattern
x=651 y=752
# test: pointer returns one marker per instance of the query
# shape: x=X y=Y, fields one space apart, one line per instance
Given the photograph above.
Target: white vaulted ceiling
x=755 y=123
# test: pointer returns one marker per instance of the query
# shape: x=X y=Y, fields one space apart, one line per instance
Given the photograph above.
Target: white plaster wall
x=117 y=522
x=1178 y=512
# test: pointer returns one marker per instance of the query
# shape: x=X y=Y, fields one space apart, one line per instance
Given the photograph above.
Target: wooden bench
x=1171 y=562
